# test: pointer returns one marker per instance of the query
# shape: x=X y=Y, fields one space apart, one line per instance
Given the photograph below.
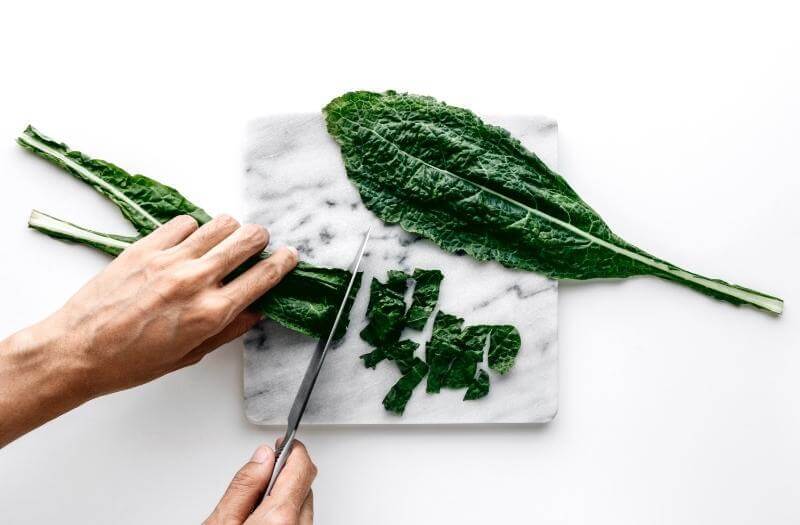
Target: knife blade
x=310 y=377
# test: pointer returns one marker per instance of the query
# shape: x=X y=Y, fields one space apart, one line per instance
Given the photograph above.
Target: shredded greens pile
x=453 y=353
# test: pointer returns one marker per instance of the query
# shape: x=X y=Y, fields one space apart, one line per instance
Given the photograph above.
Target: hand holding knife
x=310 y=377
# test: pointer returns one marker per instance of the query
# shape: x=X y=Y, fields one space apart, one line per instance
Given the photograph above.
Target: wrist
x=41 y=377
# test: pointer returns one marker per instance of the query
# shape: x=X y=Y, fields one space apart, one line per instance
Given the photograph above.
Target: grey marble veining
x=297 y=187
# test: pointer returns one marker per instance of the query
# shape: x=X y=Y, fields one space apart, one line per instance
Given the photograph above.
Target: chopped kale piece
x=442 y=350
x=397 y=281
x=479 y=386
x=402 y=353
x=397 y=398
x=371 y=359
x=386 y=312
x=504 y=344
x=426 y=293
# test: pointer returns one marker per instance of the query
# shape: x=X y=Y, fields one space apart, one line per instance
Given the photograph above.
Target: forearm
x=39 y=379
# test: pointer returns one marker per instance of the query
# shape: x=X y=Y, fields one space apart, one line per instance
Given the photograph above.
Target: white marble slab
x=296 y=186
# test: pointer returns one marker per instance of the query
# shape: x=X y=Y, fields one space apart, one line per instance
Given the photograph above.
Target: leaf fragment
x=398 y=396
x=479 y=386
x=424 y=298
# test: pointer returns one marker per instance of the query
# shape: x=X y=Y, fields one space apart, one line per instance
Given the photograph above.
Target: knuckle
x=255 y=233
x=215 y=309
x=245 y=481
x=186 y=221
x=283 y=514
x=226 y=220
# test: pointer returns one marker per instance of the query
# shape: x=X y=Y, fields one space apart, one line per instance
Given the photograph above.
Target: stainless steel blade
x=312 y=372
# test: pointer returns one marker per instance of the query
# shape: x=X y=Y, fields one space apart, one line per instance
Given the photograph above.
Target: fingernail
x=293 y=250
x=260 y=455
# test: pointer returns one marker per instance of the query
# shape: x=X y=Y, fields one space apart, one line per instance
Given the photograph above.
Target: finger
x=240 y=324
x=208 y=235
x=235 y=249
x=307 y=511
x=264 y=275
x=170 y=233
x=246 y=489
x=293 y=483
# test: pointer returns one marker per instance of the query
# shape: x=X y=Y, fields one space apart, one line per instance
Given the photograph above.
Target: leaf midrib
x=89 y=175
x=766 y=302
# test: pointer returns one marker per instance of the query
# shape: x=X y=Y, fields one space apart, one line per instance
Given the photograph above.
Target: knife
x=310 y=378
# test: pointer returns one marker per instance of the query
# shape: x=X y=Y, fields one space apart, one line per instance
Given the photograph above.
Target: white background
x=678 y=123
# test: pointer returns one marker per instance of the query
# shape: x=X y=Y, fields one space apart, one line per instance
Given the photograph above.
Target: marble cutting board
x=296 y=185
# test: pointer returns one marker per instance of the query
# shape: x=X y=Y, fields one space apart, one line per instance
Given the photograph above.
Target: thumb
x=246 y=489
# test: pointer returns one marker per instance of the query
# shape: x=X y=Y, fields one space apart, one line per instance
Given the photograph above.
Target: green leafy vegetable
x=371 y=359
x=402 y=353
x=443 y=353
x=397 y=398
x=426 y=293
x=386 y=312
x=441 y=172
x=479 y=386
x=306 y=300
x=397 y=281
x=504 y=344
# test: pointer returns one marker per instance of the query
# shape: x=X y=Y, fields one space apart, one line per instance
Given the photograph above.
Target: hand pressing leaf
x=306 y=300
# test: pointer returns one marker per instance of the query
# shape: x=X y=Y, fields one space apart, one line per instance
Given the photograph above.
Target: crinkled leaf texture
x=426 y=294
x=398 y=396
x=306 y=300
x=440 y=172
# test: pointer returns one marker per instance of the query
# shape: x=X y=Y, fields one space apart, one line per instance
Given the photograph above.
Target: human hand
x=161 y=304
x=291 y=501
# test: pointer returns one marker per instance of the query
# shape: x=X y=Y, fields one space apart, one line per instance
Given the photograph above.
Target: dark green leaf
x=146 y=203
x=504 y=344
x=397 y=398
x=371 y=359
x=402 y=353
x=397 y=281
x=441 y=172
x=426 y=293
x=306 y=300
x=442 y=351
x=479 y=386
x=386 y=312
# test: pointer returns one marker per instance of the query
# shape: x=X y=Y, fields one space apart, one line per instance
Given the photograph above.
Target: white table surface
x=679 y=125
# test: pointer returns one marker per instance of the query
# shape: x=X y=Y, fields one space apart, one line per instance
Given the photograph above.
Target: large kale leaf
x=306 y=300
x=441 y=172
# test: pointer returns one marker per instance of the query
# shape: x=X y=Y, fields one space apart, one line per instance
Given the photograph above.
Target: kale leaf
x=441 y=172
x=306 y=300
x=442 y=352
x=426 y=294
x=398 y=396
x=479 y=386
